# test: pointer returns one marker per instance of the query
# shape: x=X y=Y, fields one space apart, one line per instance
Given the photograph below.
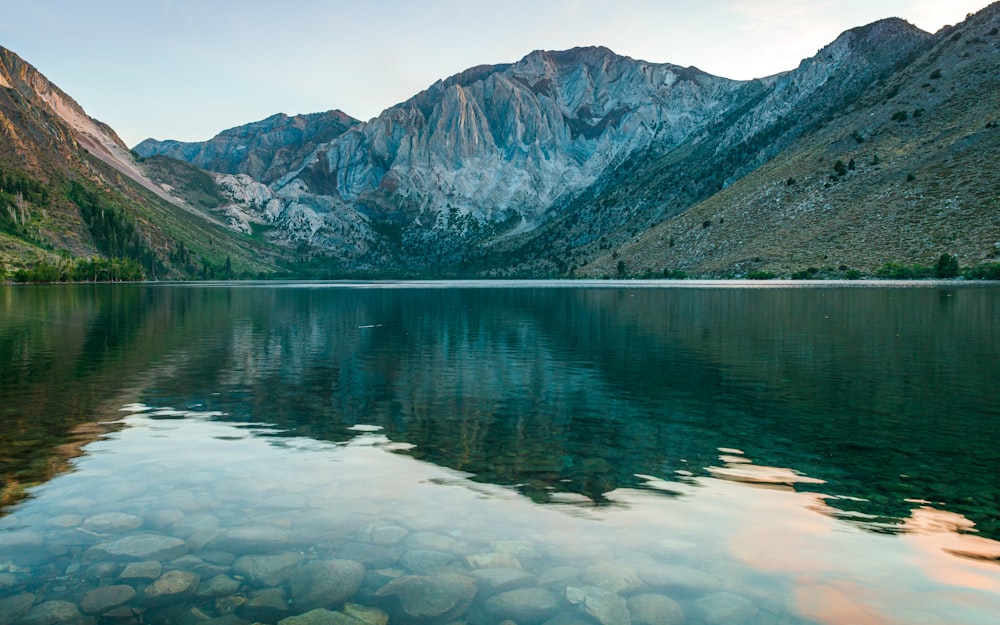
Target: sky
x=188 y=69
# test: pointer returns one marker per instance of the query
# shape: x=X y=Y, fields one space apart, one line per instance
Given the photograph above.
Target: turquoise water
x=479 y=452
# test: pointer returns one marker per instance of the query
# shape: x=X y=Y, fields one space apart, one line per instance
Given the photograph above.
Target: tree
x=946 y=266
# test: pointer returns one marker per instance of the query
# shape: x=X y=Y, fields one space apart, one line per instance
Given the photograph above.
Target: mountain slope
x=917 y=178
x=70 y=188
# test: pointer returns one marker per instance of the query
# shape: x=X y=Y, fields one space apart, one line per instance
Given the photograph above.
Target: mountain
x=558 y=163
x=902 y=173
x=571 y=163
x=264 y=150
x=70 y=191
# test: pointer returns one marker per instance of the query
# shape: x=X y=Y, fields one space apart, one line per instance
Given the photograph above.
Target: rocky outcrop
x=264 y=150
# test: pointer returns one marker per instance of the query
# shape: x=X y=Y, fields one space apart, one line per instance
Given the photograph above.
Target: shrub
x=936 y=74
x=900 y=116
x=758 y=274
x=852 y=274
x=899 y=271
x=839 y=168
x=674 y=274
x=986 y=271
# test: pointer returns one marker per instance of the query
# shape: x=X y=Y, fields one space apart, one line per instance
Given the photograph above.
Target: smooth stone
x=559 y=578
x=267 y=570
x=253 y=539
x=607 y=607
x=13 y=608
x=144 y=547
x=170 y=587
x=612 y=577
x=142 y=570
x=21 y=540
x=112 y=523
x=492 y=581
x=655 y=610
x=100 y=600
x=267 y=605
x=197 y=565
x=325 y=583
x=526 y=606
x=678 y=576
x=218 y=586
x=431 y=542
x=228 y=604
x=100 y=570
x=425 y=562
x=726 y=608
x=7 y=580
x=382 y=533
x=320 y=616
x=52 y=613
x=442 y=597
x=162 y=519
x=229 y=619
x=493 y=561
x=366 y=614
x=372 y=556
x=516 y=548
x=66 y=521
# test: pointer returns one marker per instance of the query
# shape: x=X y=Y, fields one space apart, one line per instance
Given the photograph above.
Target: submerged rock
x=655 y=610
x=143 y=547
x=267 y=570
x=112 y=523
x=320 y=616
x=438 y=597
x=142 y=570
x=100 y=600
x=492 y=561
x=492 y=581
x=13 y=608
x=527 y=606
x=678 y=576
x=607 y=607
x=726 y=608
x=251 y=539
x=171 y=587
x=267 y=605
x=427 y=562
x=218 y=586
x=326 y=583
x=612 y=577
x=382 y=533
x=52 y=613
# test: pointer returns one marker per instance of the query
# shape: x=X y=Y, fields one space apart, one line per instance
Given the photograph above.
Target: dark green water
x=697 y=454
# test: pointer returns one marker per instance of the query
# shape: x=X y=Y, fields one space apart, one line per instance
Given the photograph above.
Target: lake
x=562 y=453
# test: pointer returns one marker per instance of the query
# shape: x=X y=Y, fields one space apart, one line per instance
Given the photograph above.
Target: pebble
x=655 y=610
x=382 y=533
x=20 y=540
x=526 y=606
x=366 y=614
x=325 y=583
x=105 y=598
x=607 y=607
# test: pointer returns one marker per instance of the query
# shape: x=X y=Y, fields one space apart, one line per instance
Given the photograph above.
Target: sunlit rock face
x=504 y=143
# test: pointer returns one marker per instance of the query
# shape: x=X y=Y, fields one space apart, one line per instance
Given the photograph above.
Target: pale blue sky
x=186 y=69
